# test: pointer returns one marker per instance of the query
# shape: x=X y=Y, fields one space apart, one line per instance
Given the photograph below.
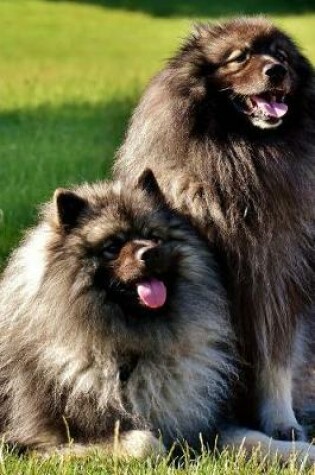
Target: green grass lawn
x=225 y=464
x=70 y=75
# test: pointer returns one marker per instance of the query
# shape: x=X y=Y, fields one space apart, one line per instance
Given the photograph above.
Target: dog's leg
x=32 y=430
x=256 y=442
x=276 y=413
x=138 y=444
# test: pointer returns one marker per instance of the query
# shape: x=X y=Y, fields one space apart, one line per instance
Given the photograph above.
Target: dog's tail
x=250 y=441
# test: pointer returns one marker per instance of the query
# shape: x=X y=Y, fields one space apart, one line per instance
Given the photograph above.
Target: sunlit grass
x=70 y=74
x=205 y=464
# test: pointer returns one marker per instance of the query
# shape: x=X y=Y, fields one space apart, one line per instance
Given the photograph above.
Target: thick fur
x=78 y=352
x=250 y=190
x=304 y=373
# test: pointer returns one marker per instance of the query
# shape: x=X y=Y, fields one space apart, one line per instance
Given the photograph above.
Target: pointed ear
x=69 y=206
x=149 y=184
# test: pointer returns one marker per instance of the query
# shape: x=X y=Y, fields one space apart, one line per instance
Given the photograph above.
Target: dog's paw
x=289 y=432
x=139 y=444
x=278 y=419
x=283 y=426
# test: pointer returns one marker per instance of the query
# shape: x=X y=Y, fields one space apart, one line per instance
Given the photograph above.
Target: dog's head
x=250 y=64
x=123 y=247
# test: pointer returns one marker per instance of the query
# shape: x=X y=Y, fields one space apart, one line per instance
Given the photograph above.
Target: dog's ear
x=69 y=207
x=207 y=31
x=149 y=184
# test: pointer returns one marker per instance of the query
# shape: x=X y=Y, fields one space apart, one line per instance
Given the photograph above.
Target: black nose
x=145 y=251
x=276 y=72
x=155 y=259
x=150 y=254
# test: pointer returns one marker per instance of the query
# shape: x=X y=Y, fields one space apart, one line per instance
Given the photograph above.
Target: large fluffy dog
x=229 y=129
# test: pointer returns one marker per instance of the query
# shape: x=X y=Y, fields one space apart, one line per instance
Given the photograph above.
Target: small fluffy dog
x=228 y=127
x=111 y=310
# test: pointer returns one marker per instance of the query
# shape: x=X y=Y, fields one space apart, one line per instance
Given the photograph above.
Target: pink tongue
x=152 y=293
x=272 y=109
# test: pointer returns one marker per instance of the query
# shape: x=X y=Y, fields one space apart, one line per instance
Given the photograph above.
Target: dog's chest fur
x=176 y=391
x=261 y=203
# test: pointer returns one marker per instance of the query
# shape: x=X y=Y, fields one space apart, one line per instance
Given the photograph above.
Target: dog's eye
x=281 y=55
x=156 y=238
x=239 y=56
x=111 y=248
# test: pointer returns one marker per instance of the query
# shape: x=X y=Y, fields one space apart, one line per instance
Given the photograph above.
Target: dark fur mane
x=250 y=190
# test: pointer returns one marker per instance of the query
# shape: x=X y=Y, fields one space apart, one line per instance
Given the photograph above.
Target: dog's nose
x=276 y=72
x=143 y=250
x=146 y=253
x=154 y=258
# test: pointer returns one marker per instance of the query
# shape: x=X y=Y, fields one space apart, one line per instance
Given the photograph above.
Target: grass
x=70 y=75
x=225 y=464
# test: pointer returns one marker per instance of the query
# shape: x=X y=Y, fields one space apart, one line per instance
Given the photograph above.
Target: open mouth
x=265 y=110
x=152 y=293
x=137 y=298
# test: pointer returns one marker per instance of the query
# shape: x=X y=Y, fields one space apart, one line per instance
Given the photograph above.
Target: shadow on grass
x=48 y=147
x=206 y=8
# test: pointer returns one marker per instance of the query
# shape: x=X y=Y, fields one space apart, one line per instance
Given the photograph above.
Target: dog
x=228 y=127
x=112 y=311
